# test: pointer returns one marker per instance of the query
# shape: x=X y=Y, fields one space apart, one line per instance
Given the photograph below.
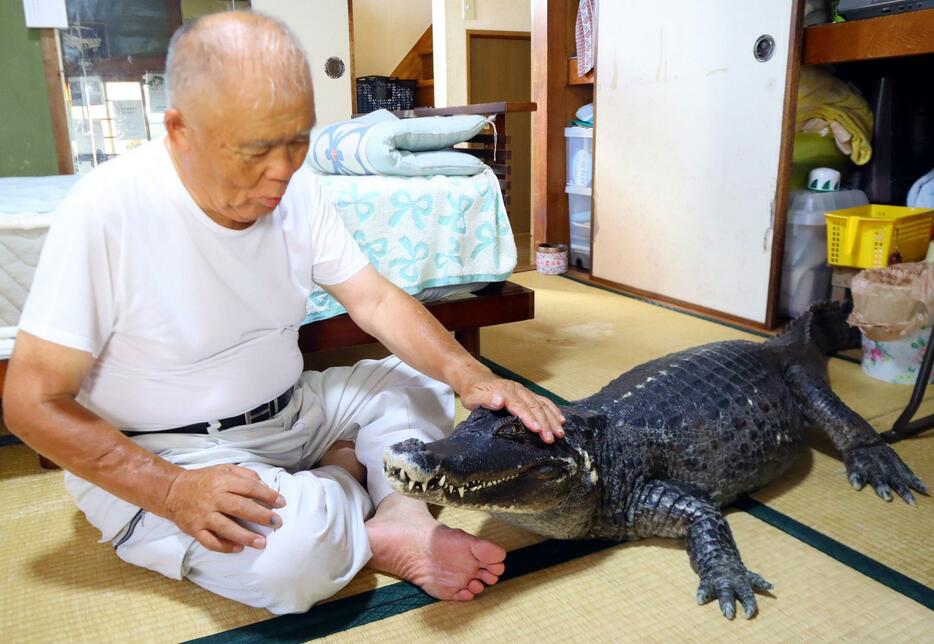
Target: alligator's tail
x=824 y=326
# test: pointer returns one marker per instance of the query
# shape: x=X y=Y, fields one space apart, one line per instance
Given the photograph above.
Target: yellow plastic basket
x=866 y=236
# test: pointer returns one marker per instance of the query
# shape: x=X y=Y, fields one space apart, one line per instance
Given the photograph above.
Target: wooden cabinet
x=694 y=137
x=558 y=92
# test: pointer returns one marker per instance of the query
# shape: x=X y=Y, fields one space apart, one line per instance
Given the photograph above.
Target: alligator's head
x=492 y=462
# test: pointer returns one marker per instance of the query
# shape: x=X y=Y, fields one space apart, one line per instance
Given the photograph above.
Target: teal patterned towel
x=422 y=232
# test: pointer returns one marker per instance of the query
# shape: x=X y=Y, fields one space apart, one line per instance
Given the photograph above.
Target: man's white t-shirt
x=189 y=321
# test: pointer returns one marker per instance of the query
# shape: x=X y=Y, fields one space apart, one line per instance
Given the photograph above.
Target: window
x=113 y=58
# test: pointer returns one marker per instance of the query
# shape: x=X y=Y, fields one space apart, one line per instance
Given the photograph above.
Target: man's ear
x=176 y=128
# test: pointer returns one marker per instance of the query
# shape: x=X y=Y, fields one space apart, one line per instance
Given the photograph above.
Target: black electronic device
x=856 y=9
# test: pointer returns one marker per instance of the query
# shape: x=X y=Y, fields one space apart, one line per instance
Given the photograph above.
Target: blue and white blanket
x=422 y=232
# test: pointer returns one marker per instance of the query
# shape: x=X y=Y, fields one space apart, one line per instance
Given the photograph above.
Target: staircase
x=418 y=64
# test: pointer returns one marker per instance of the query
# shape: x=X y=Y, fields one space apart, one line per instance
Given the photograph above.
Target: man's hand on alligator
x=537 y=413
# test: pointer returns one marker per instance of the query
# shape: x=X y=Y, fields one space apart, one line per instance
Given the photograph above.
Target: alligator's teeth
x=403 y=475
x=461 y=491
x=441 y=482
x=411 y=483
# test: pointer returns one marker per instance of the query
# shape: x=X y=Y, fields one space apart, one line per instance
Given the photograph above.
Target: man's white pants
x=322 y=542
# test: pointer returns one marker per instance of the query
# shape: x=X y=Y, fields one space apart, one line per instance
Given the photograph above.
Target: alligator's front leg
x=674 y=509
x=867 y=457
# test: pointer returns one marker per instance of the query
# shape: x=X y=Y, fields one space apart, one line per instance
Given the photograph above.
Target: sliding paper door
x=687 y=140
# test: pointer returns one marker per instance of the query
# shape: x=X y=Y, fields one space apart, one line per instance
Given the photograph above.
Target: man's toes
x=487 y=552
x=487 y=577
x=464 y=595
x=475 y=586
x=496 y=568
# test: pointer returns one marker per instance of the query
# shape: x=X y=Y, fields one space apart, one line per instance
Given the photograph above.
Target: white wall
x=450 y=39
x=323 y=27
x=384 y=32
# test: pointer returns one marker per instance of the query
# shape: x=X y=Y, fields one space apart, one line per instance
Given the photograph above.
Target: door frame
x=509 y=35
x=487 y=33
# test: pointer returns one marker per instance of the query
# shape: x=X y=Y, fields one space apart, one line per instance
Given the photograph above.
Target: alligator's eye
x=513 y=429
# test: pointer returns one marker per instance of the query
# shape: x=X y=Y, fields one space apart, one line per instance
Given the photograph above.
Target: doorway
x=499 y=68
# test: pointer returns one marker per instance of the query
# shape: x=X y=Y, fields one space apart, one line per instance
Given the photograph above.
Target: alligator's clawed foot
x=879 y=466
x=729 y=581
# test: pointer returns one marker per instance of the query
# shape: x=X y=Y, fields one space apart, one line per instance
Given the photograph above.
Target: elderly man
x=157 y=358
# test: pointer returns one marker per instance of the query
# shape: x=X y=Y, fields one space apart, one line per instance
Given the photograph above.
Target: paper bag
x=892 y=302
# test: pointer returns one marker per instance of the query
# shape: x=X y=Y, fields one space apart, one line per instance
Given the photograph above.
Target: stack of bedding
x=431 y=219
x=26 y=206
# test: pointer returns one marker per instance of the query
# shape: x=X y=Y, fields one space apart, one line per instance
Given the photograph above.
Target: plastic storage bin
x=579 y=155
x=866 y=236
x=805 y=273
x=579 y=211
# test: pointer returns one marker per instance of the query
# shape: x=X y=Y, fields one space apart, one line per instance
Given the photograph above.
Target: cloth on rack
x=827 y=105
x=585 y=36
x=921 y=194
x=421 y=232
x=583 y=117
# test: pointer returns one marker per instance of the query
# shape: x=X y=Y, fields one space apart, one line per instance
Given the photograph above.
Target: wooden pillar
x=470 y=340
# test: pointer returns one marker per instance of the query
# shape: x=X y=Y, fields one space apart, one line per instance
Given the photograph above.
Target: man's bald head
x=249 y=59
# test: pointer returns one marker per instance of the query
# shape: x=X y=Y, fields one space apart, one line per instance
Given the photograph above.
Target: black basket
x=383 y=92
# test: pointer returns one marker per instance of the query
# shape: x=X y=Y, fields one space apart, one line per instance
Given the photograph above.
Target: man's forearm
x=408 y=330
x=81 y=442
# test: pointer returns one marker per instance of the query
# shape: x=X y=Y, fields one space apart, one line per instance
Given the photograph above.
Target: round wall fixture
x=334 y=67
x=764 y=48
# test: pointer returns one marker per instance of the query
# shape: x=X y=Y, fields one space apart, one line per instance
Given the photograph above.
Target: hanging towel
x=827 y=105
x=584 y=35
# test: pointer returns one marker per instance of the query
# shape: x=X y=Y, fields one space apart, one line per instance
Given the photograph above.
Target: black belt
x=263 y=412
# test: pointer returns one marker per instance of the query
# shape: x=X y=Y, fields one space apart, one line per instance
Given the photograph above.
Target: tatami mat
x=644 y=592
x=816 y=492
x=61 y=585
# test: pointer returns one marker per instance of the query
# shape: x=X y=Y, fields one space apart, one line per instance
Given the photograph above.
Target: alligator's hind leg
x=675 y=509
x=868 y=458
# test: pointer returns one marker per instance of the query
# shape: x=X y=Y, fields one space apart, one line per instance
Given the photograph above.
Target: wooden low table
x=496 y=304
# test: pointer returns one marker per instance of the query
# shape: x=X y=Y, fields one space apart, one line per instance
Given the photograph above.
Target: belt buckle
x=258 y=414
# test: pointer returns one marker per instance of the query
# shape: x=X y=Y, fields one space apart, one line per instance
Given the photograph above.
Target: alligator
x=660 y=449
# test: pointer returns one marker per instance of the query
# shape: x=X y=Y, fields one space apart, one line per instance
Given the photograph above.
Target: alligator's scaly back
x=658 y=449
x=822 y=327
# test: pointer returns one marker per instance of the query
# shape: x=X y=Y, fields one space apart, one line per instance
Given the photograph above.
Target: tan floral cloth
x=585 y=36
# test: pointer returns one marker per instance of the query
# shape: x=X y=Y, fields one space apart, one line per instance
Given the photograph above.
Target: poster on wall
x=86 y=91
x=129 y=120
x=85 y=42
x=157 y=99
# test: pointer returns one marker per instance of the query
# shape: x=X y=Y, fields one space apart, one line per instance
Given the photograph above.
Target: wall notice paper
x=45 y=14
x=156 y=97
x=131 y=124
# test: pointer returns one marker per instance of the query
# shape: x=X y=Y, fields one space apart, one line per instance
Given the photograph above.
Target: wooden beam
x=902 y=34
x=786 y=152
x=54 y=85
x=488 y=109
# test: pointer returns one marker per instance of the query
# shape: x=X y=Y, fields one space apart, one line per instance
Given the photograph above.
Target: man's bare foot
x=448 y=564
x=342 y=454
